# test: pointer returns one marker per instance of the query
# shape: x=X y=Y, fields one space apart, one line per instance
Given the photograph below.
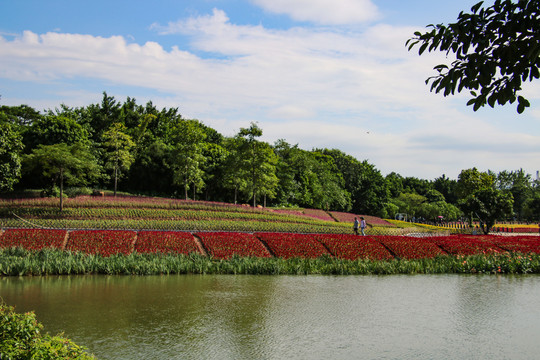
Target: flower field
x=165 y=242
x=468 y=244
x=33 y=239
x=224 y=245
x=103 y=242
x=352 y=247
x=413 y=248
x=293 y=245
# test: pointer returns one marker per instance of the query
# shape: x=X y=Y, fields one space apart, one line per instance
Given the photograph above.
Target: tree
x=496 y=49
x=118 y=154
x=257 y=163
x=394 y=183
x=62 y=163
x=187 y=159
x=519 y=185
x=447 y=187
x=10 y=154
x=488 y=205
x=368 y=188
x=232 y=176
x=471 y=180
x=54 y=129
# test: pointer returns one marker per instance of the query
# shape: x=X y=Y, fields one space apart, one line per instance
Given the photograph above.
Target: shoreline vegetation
x=46 y=262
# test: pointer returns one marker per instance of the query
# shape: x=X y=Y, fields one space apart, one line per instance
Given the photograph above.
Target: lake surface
x=296 y=317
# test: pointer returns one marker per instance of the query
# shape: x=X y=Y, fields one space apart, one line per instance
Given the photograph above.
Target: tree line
x=125 y=146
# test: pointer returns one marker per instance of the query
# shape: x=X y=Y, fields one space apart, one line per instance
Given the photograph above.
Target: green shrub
x=21 y=337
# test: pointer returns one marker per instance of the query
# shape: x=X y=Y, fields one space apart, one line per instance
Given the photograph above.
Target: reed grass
x=21 y=262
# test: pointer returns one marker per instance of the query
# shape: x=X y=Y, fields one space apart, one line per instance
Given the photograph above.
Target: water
x=296 y=317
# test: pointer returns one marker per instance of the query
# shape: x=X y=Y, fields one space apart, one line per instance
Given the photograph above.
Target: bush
x=77 y=191
x=21 y=337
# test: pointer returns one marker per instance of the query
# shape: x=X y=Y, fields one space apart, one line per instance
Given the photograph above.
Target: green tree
x=22 y=115
x=187 y=158
x=62 y=163
x=488 y=205
x=471 y=180
x=10 y=154
x=232 y=173
x=368 y=188
x=394 y=183
x=496 y=49
x=447 y=187
x=54 y=129
x=257 y=163
x=118 y=156
x=519 y=185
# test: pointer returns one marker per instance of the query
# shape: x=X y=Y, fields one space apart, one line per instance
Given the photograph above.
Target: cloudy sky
x=317 y=73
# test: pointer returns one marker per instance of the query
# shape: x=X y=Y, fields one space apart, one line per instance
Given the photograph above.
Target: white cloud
x=326 y=12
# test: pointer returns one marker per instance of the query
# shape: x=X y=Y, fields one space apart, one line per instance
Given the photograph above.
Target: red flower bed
x=103 y=242
x=33 y=239
x=223 y=245
x=525 y=230
x=523 y=244
x=166 y=242
x=467 y=244
x=408 y=247
x=287 y=245
x=353 y=247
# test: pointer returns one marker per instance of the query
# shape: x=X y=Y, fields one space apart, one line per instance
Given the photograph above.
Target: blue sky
x=317 y=73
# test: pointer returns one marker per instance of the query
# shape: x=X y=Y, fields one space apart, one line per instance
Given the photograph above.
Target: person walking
x=362 y=225
x=355 y=226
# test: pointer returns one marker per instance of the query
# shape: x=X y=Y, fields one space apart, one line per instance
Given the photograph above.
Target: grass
x=20 y=262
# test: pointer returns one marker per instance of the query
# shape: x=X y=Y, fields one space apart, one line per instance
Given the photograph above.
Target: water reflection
x=298 y=317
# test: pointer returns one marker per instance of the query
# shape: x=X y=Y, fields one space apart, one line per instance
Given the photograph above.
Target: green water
x=297 y=317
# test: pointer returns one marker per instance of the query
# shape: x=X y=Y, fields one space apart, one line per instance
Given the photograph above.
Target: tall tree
x=118 y=156
x=62 y=163
x=447 y=187
x=488 y=205
x=258 y=163
x=496 y=49
x=187 y=158
x=10 y=153
x=54 y=129
x=368 y=188
x=519 y=184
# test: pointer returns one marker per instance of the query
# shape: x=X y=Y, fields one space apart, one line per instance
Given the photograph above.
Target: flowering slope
x=223 y=245
x=467 y=244
x=353 y=247
x=33 y=239
x=103 y=242
x=523 y=244
x=165 y=242
x=288 y=245
x=408 y=247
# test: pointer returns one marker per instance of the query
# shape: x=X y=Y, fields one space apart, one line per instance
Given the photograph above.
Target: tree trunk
x=61 y=189
x=185 y=186
x=115 y=179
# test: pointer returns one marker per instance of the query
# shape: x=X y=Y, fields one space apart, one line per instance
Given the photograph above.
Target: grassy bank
x=20 y=262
